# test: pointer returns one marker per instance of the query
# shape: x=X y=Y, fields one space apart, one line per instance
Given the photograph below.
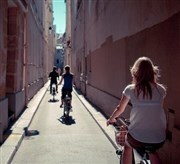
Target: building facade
x=3 y=58
x=108 y=36
x=26 y=54
x=67 y=37
x=59 y=53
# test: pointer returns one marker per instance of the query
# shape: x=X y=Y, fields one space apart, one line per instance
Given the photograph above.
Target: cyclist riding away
x=147 y=118
x=53 y=76
x=68 y=78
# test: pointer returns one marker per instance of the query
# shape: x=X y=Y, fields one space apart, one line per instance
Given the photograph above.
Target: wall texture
x=108 y=36
x=26 y=54
x=3 y=64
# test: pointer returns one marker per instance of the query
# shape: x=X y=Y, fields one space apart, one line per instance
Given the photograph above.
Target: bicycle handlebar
x=122 y=121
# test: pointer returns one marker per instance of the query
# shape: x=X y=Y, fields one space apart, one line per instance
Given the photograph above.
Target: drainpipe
x=25 y=62
x=23 y=7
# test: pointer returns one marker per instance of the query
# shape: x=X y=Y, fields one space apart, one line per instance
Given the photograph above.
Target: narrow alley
x=77 y=140
x=100 y=41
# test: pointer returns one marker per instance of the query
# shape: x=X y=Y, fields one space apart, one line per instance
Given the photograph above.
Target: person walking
x=147 y=117
x=68 y=78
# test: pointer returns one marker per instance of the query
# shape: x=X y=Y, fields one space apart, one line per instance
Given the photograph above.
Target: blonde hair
x=144 y=73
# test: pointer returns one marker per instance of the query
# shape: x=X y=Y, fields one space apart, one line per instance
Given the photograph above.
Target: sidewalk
x=11 y=145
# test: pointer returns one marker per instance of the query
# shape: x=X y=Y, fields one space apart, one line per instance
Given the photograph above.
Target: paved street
x=79 y=140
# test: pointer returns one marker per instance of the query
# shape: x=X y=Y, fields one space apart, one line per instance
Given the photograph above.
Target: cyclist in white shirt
x=147 y=117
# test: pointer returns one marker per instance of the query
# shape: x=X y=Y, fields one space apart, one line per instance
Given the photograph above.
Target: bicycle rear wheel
x=66 y=108
x=66 y=111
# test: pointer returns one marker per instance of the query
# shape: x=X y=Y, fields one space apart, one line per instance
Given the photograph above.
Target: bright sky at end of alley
x=59 y=8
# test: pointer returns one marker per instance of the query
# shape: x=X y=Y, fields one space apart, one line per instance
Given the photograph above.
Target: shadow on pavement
x=67 y=121
x=53 y=100
x=30 y=132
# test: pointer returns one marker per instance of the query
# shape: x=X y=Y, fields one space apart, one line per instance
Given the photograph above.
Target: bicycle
x=53 y=91
x=140 y=156
x=67 y=106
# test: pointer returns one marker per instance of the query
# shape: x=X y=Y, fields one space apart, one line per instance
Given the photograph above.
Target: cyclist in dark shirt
x=68 y=83
x=53 y=76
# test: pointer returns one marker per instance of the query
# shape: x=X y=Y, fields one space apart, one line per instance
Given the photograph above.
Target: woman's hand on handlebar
x=111 y=121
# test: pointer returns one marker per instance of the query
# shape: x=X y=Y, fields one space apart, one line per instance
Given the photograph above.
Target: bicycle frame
x=53 y=90
x=67 y=106
x=137 y=157
x=120 y=149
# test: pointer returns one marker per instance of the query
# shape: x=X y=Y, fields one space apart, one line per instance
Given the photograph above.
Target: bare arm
x=119 y=109
x=62 y=77
x=73 y=81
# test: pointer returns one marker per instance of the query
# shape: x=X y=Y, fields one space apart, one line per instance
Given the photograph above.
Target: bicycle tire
x=66 y=108
x=66 y=112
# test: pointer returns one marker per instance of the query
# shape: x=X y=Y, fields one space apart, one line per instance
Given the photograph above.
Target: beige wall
x=67 y=47
x=26 y=54
x=40 y=45
x=110 y=35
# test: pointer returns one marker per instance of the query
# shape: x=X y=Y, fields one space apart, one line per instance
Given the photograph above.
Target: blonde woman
x=147 y=117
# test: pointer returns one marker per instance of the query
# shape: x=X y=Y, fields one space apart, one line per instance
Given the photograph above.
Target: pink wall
x=26 y=55
x=116 y=34
x=3 y=60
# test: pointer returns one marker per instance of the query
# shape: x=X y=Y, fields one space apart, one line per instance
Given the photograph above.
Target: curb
x=12 y=143
x=99 y=119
